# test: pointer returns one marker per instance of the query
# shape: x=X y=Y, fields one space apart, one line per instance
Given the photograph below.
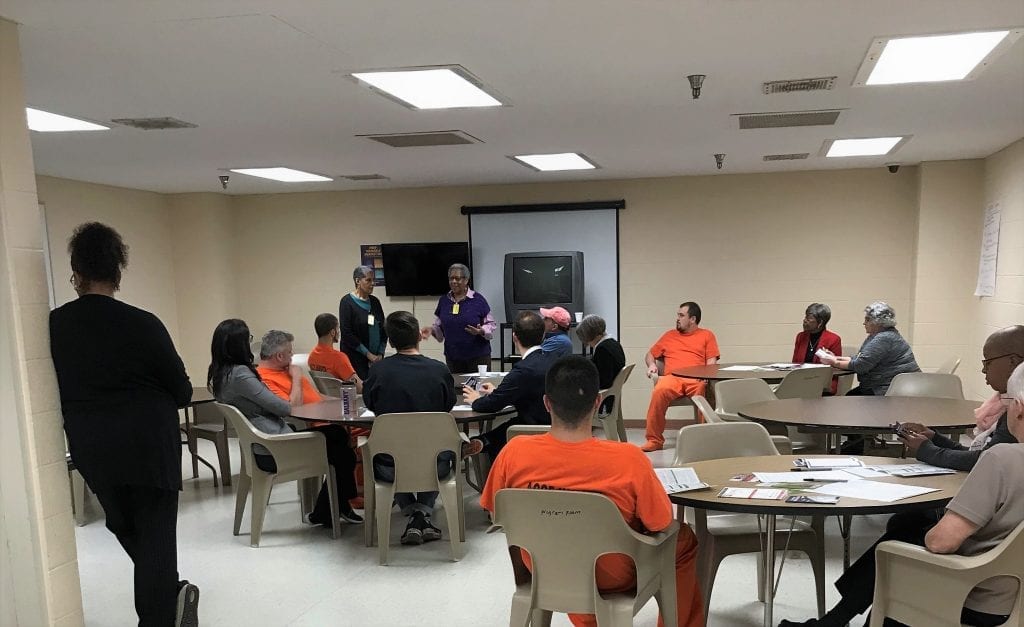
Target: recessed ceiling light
x=45 y=122
x=932 y=58
x=863 y=147
x=556 y=162
x=448 y=87
x=286 y=175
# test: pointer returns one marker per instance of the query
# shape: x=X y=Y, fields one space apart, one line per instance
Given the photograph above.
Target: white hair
x=881 y=313
x=1015 y=385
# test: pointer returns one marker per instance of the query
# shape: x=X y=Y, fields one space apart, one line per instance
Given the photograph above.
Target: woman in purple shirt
x=463 y=321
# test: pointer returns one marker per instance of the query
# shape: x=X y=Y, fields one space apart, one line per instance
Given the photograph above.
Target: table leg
x=769 y=570
x=845 y=525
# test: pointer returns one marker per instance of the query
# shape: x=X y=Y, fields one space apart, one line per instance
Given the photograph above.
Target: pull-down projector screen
x=594 y=232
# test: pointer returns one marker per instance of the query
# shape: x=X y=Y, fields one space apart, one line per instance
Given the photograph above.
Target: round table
x=717 y=372
x=862 y=414
x=329 y=410
x=718 y=472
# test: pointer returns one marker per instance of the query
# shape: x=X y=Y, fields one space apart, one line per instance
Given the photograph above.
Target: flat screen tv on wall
x=420 y=269
x=543 y=279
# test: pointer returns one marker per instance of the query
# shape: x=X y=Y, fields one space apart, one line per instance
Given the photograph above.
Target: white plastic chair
x=736 y=393
x=612 y=423
x=297 y=455
x=722 y=535
x=413 y=440
x=949 y=366
x=930 y=384
x=807 y=382
x=781 y=442
x=904 y=571
x=563 y=550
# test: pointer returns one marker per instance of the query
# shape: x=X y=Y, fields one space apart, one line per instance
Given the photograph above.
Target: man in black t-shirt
x=410 y=382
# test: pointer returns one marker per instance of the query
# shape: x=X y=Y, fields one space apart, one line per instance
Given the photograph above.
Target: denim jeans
x=411 y=502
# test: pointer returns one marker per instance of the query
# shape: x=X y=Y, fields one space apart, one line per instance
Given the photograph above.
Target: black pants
x=144 y=520
x=854 y=444
x=462 y=366
x=342 y=457
x=857 y=584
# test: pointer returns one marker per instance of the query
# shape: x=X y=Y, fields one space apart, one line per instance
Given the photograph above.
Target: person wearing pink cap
x=556 y=332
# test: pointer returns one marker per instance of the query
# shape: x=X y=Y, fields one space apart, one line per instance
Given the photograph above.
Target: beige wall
x=948 y=242
x=39 y=582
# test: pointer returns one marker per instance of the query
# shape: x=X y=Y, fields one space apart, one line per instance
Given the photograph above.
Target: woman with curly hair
x=121 y=385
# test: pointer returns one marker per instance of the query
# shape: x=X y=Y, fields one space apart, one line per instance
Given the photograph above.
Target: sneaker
x=651 y=446
x=187 y=614
x=473 y=447
x=412 y=533
x=429 y=531
x=350 y=516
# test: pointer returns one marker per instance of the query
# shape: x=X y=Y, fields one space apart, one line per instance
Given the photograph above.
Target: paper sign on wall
x=989 y=252
x=371 y=256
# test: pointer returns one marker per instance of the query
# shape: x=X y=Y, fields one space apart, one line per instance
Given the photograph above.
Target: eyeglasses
x=986 y=362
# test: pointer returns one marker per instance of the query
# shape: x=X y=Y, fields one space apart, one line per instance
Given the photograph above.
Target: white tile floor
x=300 y=576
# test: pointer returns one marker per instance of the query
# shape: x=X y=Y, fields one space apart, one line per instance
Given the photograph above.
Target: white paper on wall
x=989 y=252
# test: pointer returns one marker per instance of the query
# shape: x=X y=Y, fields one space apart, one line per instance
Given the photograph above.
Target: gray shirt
x=992 y=497
x=243 y=389
x=881 y=357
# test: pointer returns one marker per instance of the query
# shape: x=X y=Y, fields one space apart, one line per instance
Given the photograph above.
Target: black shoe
x=350 y=516
x=412 y=534
x=187 y=614
x=429 y=531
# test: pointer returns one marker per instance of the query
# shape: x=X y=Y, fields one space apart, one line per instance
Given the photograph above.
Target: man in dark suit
x=523 y=387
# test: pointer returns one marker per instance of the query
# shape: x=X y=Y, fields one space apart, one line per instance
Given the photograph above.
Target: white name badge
x=370 y=320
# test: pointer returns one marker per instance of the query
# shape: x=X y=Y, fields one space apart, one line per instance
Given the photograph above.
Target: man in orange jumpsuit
x=687 y=345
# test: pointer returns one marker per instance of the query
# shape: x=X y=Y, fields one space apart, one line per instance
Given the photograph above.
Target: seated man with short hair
x=988 y=507
x=325 y=358
x=291 y=384
x=571 y=458
x=686 y=345
x=410 y=382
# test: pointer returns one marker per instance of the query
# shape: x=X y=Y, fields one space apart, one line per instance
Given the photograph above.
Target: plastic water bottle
x=348 y=401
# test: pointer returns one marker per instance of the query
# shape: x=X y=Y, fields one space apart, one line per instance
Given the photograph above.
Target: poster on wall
x=370 y=255
x=989 y=252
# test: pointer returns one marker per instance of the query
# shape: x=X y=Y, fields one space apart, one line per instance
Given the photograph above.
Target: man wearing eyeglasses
x=1003 y=351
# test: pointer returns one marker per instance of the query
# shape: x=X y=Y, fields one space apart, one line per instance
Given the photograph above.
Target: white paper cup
x=579 y=316
x=481 y=370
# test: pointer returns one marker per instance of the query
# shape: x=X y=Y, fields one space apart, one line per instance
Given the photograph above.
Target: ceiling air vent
x=792 y=156
x=430 y=138
x=822 y=83
x=153 y=124
x=786 y=119
x=364 y=177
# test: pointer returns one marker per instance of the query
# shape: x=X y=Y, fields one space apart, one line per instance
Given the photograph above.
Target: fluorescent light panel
x=286 y=175
x=430 y=88
x=46 y=122
x=863 y=147
x=933 y=58
x=556 y=162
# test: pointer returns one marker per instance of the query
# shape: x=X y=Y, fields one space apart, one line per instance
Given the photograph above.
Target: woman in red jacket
x=815 y=336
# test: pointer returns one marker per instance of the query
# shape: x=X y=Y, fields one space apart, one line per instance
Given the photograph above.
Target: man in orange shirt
x=614 y=469
x=687 y=345
x=290 y=383
x=325 y=358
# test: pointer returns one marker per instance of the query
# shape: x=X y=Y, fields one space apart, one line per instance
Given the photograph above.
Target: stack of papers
x=741 y=368
x=912 y=470
x=873 y=490
x=679 y=480
x=826 y=463
x=753 y=493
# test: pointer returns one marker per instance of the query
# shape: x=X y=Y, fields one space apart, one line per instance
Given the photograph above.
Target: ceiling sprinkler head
x=224 y=178
x=719 y=160
x=696 y=80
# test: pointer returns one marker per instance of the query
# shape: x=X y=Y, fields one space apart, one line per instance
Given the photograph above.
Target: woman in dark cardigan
x=361 y=317
x=608 y=354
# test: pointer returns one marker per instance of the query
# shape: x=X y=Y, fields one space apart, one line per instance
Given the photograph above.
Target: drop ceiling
x=265 y=83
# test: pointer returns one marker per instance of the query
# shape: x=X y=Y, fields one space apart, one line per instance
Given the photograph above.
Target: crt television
x=543 y=279
x=420 y=269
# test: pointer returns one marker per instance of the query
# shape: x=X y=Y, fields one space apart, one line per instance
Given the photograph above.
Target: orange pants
x=616 y=573
x=667 y=389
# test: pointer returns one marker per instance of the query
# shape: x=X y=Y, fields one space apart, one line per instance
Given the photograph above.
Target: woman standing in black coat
x=361 y=317
x=121 y=383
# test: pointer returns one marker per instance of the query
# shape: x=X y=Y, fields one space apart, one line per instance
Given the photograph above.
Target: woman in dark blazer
x=608 y=355
x=121 y=384
x=361 y=317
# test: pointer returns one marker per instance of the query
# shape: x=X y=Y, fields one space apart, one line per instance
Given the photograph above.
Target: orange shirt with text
x=332 y=361
x=680 y=350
